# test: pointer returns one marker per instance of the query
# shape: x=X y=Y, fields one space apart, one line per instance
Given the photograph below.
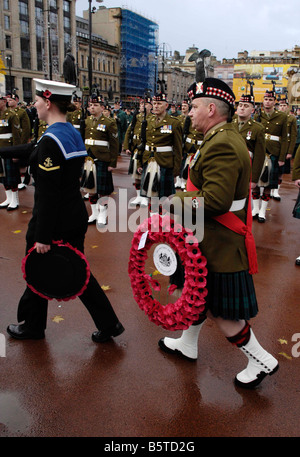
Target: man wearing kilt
x=191 y=140
x=220 y=174
x=134 y=147
x=162 y=156
x=275 y=124
x=254 y=136
x=101 y=142
x=10 y=135
x=296 y=178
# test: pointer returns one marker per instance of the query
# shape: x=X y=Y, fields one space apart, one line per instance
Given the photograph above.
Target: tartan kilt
x=229 y=295
x=105 y=185
x=166 y=184
x=296 y=210
x=12 y=174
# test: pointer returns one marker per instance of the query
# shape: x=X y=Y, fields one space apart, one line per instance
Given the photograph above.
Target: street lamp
x=90 y=69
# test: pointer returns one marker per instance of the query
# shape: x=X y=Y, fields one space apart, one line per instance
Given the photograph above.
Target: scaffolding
x=138 y=55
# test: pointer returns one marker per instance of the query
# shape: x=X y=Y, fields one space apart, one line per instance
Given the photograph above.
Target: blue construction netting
x=138 y=50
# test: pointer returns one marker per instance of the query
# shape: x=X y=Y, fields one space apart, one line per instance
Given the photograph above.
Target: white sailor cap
x=53 y=90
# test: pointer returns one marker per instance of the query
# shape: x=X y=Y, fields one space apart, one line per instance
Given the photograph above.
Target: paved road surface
x=68 y=386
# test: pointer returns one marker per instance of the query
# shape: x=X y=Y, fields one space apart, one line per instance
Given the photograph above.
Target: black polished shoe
x=20 y=332
x=261 y=219
x=100 y=336
x=297 y=261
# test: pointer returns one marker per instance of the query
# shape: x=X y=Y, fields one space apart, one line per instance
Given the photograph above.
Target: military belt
x=190 y=140
x=136 y=137
x=272 y=137
x=159 y=149
x=237 y=205
x=5 y=136
x=96 y=142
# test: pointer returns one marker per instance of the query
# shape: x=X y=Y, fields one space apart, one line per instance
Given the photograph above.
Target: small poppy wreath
x=181 y=314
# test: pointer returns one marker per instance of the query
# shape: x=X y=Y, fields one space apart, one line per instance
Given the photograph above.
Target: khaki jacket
x=102 y=129
x=254 y=136
x=275 y=125
x=168 y=132
x=296 y=166
x=10 y=131
x=291 y=133
x=222 y=174
x=25 y=126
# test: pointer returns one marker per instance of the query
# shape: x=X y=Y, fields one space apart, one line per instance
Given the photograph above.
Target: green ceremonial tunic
x=104 y=130
x=74 y=118
x=25 y=127
x=10 y=131
x=291 y=133
x=136 y=138
x=254 y=136
x=296 y=166
x=275 y=126
x=167 y=132
x=221 y=171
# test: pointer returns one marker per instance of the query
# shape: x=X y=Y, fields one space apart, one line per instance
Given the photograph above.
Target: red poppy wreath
x=181 y=314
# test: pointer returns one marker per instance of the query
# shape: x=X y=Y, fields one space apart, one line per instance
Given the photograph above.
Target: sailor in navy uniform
x=59 y=212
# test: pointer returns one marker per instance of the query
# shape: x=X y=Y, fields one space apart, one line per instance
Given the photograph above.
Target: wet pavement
x=68 y=386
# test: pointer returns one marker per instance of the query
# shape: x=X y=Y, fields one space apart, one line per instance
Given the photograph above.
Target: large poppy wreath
x=181 y=314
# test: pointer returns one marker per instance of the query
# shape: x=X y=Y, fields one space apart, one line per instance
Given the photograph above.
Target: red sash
x=235 y=224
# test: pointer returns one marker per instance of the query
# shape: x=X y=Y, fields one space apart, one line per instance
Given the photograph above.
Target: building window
x=7 y=22
x=6 y=5
x=66 y=6
x=67 y=41
x=23 y=8
x=82 y=60
x=27 y=92
x=24 y=26
x=67 y=23
x=8 y=41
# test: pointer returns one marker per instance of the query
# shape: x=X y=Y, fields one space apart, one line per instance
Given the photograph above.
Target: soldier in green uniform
x=25 y=126
x=162 y=157
x=121 y=120
x=275 y=125
x=10 y=135
x=296 y=179
x=291 y=137
x=191 y=140
x=220 y=174
x=101 y=141
x=133 y=141
x=254 y=136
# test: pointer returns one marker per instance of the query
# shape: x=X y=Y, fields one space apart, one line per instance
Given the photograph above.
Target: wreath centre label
x=164 y=259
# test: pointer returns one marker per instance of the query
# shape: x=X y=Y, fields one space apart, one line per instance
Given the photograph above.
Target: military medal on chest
x=101 y=127
x=166 y=129
x=195 y=158
x=249 y=133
